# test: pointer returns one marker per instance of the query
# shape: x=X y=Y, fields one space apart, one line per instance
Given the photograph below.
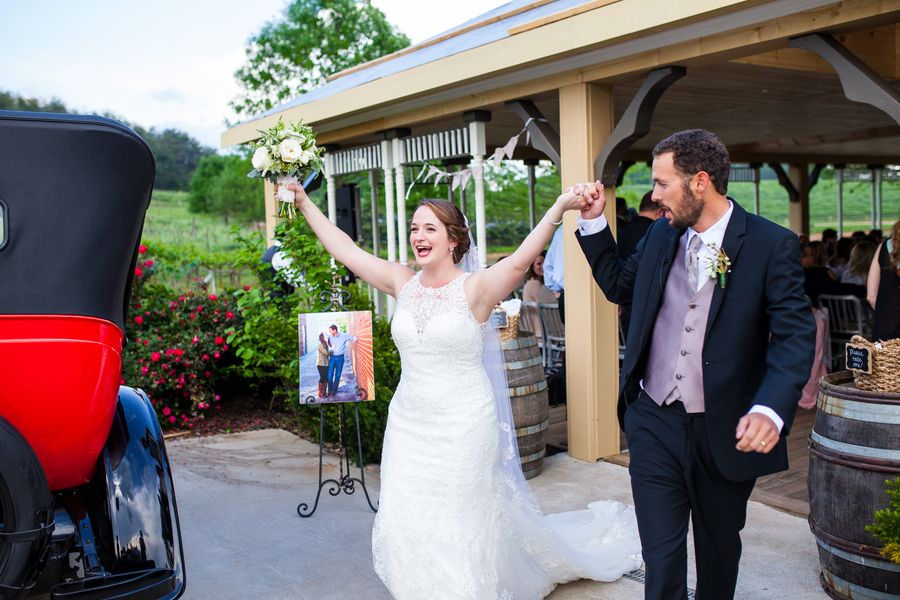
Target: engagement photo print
x=336 y=357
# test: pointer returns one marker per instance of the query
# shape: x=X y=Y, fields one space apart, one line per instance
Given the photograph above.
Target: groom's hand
x=756 y=433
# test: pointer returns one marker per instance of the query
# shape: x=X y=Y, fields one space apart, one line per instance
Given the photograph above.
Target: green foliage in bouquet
x=887 y=523
x=177 y=350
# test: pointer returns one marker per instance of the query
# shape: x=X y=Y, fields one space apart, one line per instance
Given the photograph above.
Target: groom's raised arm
x=614 y=276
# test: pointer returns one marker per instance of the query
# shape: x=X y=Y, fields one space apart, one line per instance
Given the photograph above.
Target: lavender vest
x=675 y=365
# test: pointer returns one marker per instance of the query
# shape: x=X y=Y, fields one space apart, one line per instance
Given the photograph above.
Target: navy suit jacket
x=760 y=336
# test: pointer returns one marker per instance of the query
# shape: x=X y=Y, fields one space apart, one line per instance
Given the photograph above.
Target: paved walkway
x=237 y=497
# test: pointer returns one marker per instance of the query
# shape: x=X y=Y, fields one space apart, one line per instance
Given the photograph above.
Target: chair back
x=845 y=315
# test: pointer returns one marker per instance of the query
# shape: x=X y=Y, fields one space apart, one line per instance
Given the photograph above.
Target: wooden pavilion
x=597 y=83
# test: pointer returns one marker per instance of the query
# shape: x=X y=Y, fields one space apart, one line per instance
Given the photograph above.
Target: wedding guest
x=838 y=263
x=338 y=342
x=535 y=291
x=554 y=273
x=818 y=279
x=322 y=359
x=884 y=287
x=630 y=234
x=857 y=271
x=829 y=239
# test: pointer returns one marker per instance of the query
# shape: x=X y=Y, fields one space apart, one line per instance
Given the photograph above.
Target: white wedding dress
x=450 y=523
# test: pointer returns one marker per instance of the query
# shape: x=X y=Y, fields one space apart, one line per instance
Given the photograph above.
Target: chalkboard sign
x=859 y=358
x=499 y=319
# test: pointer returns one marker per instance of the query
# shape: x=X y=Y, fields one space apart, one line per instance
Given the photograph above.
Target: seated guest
x=884 y=287
x=838 y=263
x=536 y=291
x=857 y=271
x=628 y=236
x=819 y=280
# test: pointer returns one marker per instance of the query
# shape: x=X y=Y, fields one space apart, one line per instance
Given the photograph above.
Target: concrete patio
x=237 y=498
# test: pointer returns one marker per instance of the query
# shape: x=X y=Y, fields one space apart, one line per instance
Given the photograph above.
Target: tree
x=177 y=155
x=203 y=183
x=233 y=194
x=314 y=39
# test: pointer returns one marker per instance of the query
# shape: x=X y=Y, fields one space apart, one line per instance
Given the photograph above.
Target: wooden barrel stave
x=853 y=451
x=529 y=399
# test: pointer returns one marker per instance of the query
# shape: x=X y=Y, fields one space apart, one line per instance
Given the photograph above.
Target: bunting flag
x=461 y=178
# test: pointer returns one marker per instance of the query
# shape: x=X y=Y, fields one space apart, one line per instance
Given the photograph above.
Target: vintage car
x=87 y=504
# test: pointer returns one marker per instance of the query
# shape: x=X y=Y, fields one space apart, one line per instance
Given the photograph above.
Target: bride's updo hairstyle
x=454 y=221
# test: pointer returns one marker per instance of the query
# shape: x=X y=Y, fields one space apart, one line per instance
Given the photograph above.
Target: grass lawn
x=170 y=222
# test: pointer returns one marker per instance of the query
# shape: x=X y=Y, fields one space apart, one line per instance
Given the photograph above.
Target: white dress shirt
x=712 y=236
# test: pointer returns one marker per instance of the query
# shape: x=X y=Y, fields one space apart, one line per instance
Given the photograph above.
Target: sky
x=162 y=64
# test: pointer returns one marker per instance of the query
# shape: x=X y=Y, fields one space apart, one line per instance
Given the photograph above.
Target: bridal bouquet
x=286 y=154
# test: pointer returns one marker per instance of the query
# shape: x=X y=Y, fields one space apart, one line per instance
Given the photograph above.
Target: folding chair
x=847 y=316
x=554 y=333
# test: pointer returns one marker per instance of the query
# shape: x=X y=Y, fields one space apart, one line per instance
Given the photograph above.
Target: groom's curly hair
x=454 y=221
x=696 y=150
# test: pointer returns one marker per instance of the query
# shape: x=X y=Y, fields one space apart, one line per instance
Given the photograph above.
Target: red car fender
x=59 y=379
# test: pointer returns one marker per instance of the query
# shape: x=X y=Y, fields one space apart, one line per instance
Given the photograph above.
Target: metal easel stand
x=345 y=483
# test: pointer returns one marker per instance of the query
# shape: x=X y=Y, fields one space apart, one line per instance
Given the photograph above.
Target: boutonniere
x=719 y=267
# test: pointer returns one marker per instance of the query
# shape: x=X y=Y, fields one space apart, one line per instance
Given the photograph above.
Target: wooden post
x=798 y=212
x=592 y=357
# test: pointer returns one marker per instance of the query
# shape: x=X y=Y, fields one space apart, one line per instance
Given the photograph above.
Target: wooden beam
x=543 y=136
x=635 y=123
x=804 y=142
x=876 y=47
x=592 y=360
x=860 y=82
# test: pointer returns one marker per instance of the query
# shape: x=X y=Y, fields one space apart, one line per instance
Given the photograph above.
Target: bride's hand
x=300 y=197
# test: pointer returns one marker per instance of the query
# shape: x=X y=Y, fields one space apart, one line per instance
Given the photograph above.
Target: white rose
x=261 y=159
x=290 y=150
x=306 y=156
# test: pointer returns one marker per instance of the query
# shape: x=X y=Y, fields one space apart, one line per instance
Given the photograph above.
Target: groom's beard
x=690 y=209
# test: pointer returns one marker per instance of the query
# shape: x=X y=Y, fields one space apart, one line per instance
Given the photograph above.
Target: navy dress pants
x=673 y=479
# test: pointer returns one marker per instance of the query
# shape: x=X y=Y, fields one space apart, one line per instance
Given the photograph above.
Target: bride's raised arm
x=387 y=276
x=492 y=285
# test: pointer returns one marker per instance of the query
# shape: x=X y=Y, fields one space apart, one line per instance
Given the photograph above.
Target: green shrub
x=887 y=523
x=177 y=350
x=266 y=341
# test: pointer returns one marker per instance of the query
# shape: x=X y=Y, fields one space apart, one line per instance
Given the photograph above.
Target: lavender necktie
x=690 y=260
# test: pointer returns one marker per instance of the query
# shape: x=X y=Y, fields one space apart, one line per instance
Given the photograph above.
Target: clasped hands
x=587 y=198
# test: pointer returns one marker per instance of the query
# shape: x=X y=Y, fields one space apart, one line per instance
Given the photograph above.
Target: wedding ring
x=762 y=443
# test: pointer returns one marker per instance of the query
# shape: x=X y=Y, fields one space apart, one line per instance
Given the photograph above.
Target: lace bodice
x=434 y=328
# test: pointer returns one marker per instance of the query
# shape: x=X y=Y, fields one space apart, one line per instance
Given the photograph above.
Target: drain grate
x=640 y=576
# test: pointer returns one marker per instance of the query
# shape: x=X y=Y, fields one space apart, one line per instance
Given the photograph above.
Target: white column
x=477 y=140
x=399 y=159
x=330 y=189
x=376 y=234
x=387 y=162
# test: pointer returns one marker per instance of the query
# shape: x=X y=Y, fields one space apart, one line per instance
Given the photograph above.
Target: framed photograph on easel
x=336 y=363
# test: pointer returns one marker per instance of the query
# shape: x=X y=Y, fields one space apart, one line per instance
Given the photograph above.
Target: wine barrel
x=529 y=399
x=853 y=450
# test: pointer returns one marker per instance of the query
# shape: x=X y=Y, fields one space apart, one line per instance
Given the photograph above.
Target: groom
x=720 y=344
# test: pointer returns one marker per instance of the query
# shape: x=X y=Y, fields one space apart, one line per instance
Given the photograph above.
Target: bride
x=456 y=519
